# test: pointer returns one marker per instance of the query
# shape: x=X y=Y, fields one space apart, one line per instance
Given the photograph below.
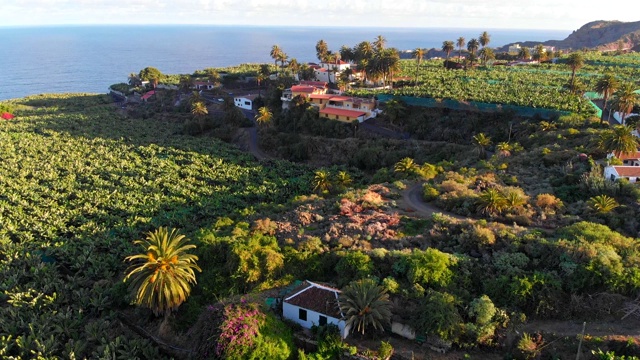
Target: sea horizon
x=89 y=58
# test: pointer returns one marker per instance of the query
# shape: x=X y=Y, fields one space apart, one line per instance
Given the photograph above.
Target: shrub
x=548 y=202
x=385 y=350
x=429 y=192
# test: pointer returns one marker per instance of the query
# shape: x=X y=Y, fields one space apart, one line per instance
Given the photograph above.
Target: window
x=247 y=102
x=322 y=320
x=302 y=314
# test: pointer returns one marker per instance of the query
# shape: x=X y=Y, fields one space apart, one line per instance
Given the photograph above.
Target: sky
x=478 y=14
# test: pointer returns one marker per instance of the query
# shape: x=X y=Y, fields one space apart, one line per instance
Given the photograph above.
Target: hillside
x=603 y=35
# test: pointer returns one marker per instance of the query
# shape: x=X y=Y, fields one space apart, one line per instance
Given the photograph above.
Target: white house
x=632 y=159
x=314 y=304
x=244 y=102
x=204 y=85
x=631 y=173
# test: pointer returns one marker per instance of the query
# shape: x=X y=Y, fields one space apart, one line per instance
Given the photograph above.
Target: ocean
x=59 y=59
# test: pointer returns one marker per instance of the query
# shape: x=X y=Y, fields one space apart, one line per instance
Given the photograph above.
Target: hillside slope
x=603 y=35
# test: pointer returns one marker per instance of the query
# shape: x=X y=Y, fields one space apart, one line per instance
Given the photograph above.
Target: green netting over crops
x=473 y=105
x=596 y=108
x=592 y=95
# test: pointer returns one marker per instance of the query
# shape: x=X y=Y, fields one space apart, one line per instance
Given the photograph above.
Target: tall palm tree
x=606 y=86
x=276 y=54
x=473 y=45
x=185 y=83
x=379 y=43
x=322 y=49
x=602 y=204
x=162 y=275
x=365 y=304
x=199 y=111
x=625 y=99
x=484 y=39
x=575 y=62
x=322 y=181
x=481 y=141
x=264 y=116
x=418 y=53
x=447 y=47
x=283 y=58
x=618 y=140
x=460 y=42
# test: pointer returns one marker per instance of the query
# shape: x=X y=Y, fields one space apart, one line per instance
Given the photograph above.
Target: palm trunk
x=604 y=107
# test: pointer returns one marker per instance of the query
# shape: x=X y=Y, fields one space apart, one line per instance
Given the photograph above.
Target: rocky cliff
x=602 y=35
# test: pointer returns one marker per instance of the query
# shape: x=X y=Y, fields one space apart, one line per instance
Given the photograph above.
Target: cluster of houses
x=331 y=106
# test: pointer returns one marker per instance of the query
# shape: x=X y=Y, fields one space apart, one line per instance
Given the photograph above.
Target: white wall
x=291 y=312
x=242 y=103
x=608 y=171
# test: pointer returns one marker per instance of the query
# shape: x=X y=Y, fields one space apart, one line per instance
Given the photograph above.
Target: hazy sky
x=489 y=14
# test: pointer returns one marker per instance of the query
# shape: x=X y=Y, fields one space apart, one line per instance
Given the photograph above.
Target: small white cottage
x=314 y=304
x=631 y=173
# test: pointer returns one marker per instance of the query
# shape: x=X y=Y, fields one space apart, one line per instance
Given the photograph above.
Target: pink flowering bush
x=239 y=330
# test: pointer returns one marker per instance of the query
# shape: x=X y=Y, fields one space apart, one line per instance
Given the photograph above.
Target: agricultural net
x=473 y=105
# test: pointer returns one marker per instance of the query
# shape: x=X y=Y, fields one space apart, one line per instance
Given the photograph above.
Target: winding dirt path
x=412 y=198
x=253 y=144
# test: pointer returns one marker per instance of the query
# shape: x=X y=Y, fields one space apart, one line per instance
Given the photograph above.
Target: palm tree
x=524 y=53
x=618 y=140
x=472 y=46
x=343 y=179
x=491 y=202
x=294 y=66
x=394 y=110
x=625 y=98
x=365 y=304
x=486 y=54
x=575 y=62
x=514 y=197
x=484 y=38
x=504 y=149
x=322 y=49
x=199 y=111
x=606 y=86
x=602 y=204
x=461 y=42
x=447 y=47
x=418 y=53
x=185 y=83
x=481 y=141
x=264 y=116
x=282 y=58
x=321 y=181
x=276 y=54
x=406 y=166
x=539 y=52
x=163 y=273
x=379 y=43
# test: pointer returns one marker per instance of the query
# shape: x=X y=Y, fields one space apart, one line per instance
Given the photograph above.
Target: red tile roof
x=341 y=98
x=628 y=171
x=148 y=95
x=631 y=156
x=302 y=88
x=314 y=83
x=7 y=116
x=319 y=298
x=321 y=96
x=341 y=112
